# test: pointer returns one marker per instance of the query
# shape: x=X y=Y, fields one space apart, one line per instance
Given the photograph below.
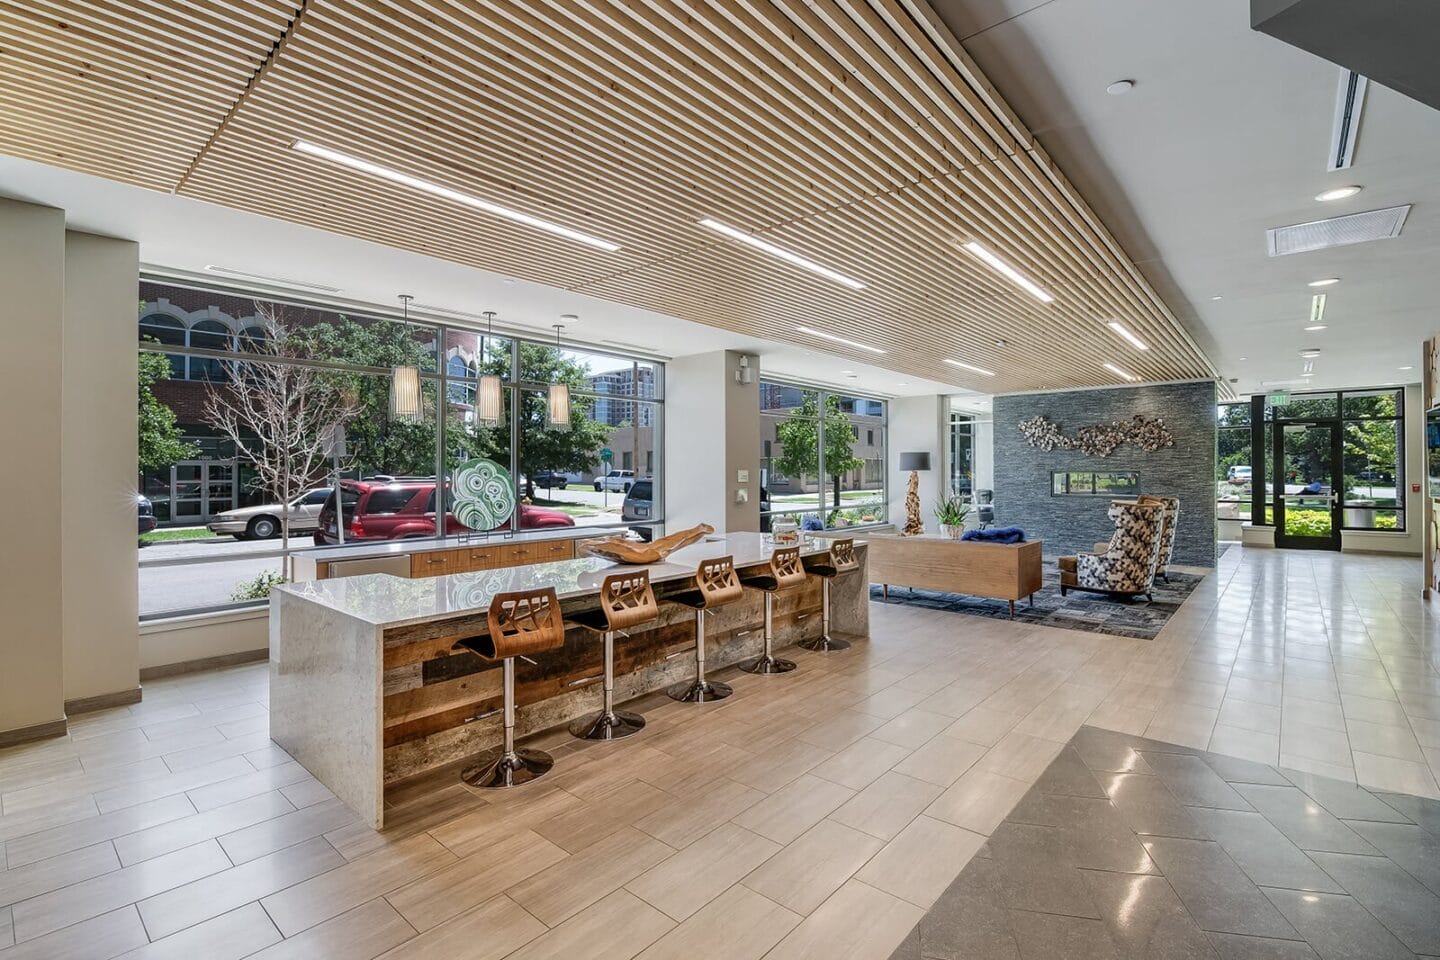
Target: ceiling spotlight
x=1124 y=331
x=1338 y=193
x=1002 y=343
x=1310 y=353
x=1324 y=283
x=1120 y=87
x=1123 y=374
x=971 y=367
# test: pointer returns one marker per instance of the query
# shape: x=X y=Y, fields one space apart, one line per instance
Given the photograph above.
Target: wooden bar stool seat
x=715 y=585
x=839 y=561
x=520 y=623
x=784 y=573
x=626 y=600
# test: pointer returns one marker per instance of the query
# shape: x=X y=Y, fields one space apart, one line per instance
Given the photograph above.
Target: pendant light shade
x=559 y=407
x=489 y=395
x=405 y=393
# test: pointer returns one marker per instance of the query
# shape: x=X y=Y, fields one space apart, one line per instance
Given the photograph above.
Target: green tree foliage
x=160 y=443
x=541 y=448
x=799 y=437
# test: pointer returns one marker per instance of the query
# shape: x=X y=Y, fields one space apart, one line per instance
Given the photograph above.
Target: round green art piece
x=484 y=494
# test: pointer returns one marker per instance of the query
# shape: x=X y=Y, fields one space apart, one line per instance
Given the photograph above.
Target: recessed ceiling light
x=568 y=318
x=1244 y=358
x=1317 y=326
x=405 y=179
x=1405 y=368
x=1310 y=353
x=1020 y=280
x=1124 y=331
x=1002 y=343
x=1338 y=193
x=789 y=256
x=970 y=366
x=508 y=280
x=1120 y=87
x=1324 y=283
x=852 y=376
x=1120 y=373
x=1217 y=298
x=811 y=331
x=902 y=383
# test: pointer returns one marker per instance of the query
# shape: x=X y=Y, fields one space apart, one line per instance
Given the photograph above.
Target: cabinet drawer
x=547 y=550
x=434 y=563
x=478 y=558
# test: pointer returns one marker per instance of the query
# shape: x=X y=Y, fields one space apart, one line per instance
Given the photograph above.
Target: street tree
x=160 y=441
x=542 y=447
x=799 y=438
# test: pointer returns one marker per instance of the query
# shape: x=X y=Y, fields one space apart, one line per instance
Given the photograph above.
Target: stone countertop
x=387 y=601
x=371 y=549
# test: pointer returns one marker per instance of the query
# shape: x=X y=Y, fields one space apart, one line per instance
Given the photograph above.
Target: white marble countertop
x=388 y=601
x=369 y=549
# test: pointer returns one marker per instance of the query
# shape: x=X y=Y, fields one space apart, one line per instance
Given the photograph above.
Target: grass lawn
x=183 y=533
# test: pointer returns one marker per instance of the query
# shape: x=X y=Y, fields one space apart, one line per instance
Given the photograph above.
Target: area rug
x=1092 y=612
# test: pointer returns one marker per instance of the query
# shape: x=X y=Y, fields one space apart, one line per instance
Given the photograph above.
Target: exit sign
x=1277 y=399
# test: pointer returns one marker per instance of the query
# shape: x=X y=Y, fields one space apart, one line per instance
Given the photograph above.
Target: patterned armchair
x=1167 y=539
x=1127 y=563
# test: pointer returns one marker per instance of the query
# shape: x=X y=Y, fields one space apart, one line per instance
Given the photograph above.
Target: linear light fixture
x=1125 y=332
x=789 y=256
x=1118 y=372
x=1314 y=327
x=1324 y=283
x=970 y=366
x=811 y=331
x=1024 y=282
x=416 y=183
x=1317 y=308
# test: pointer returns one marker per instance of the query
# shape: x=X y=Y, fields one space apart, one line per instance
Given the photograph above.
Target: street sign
x=606 y=454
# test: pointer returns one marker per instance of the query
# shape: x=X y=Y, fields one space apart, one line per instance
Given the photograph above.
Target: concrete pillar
x=712 y=438
x=99 y=573
x=32 y=274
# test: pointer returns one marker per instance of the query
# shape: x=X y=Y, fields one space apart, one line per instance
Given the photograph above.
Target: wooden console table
x=1001 y=571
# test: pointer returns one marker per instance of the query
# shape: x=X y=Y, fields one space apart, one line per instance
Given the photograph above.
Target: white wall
x=984 y=453
x=712 y=429
x=918 y=424
x=99 y=574
x=32 y=264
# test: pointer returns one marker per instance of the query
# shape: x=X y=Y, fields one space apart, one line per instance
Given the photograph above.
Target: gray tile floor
x=1132 y=848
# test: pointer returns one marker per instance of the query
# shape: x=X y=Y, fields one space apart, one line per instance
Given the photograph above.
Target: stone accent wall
x=1069 y=524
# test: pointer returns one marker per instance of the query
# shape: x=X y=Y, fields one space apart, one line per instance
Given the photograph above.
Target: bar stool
x=520 y=623
x=626 y=600
x=715 y=585
x=840 y=560
x=785 y=573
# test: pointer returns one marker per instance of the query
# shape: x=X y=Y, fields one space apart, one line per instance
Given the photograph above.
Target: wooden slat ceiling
x=855 y=132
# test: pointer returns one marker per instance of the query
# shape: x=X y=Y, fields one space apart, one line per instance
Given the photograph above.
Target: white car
x=616 y=481
x=263 y=522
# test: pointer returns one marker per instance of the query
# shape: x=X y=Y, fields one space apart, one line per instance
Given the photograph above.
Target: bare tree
x=276 y=411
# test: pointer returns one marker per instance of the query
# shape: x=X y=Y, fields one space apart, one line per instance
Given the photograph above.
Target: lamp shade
x=405 y=393
x=558 y=408
x=915 y=461
x=488 y=401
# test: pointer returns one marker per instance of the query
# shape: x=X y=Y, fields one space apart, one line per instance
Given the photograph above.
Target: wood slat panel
x=857 y=132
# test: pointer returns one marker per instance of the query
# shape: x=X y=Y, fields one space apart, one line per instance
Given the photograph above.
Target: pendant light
x=558 y=407
x=488 y=393
x=405 y=382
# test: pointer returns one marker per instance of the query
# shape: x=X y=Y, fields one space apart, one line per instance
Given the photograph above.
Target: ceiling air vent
x=1336 y=232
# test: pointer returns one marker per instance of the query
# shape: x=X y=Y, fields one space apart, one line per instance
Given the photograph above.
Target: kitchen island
x=368 y=687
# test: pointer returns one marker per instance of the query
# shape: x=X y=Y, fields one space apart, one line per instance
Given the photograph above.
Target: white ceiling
x=1224 y=135
x=186 y=235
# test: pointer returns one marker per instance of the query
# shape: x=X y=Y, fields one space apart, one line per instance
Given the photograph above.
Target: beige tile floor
x=812 y=814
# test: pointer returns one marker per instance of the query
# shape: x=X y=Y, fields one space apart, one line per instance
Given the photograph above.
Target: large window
x=1373 y=453
x=217 y=344
x=822 y=460
x=1233 y=468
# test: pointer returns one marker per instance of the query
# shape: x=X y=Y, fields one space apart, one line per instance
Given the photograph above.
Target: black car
x=146 y=511
x=551 y=480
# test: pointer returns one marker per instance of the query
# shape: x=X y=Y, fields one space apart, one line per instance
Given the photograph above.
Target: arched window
x=210 y=335
x=253 y=338
x=462 y=374
x=167 y=330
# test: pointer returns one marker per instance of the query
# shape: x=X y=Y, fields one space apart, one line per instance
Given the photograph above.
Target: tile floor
x=1128 y=847
x=819 y=813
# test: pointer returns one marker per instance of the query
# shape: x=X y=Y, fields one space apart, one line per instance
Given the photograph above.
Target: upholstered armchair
x=1127 y=563
x=1167 y=539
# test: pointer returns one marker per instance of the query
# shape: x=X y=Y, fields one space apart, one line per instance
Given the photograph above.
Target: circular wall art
x=484 y=494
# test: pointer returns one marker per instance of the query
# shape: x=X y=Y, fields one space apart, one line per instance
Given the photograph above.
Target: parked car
x=1375 y=476
x=1238 y=474
x=146 y=511
x=639 y=506
x=387 y=509
x=551 y=480
x=616 y=481
x=265 y=521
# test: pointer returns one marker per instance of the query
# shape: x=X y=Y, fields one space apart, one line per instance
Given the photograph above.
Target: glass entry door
x=1305 y=487
x=200 y=489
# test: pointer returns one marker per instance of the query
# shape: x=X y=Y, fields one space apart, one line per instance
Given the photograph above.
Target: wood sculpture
x=914 y=526
x=623 y=550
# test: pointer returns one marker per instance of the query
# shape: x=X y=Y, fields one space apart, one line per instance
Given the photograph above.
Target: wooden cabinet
x=435 y=563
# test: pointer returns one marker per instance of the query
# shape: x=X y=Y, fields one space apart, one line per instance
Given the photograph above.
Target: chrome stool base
x=616 y=725
x=824 y=643
x=497 y=769
x=767 y=665
x=699 y=691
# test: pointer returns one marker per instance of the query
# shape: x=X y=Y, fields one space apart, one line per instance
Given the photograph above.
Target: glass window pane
x=1306 y=406
x=854 y=461
x=1373 y=403
x=1233 y=414
x=786 y=398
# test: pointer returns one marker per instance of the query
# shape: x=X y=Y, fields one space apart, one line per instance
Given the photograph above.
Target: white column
x=712 y=434
x=918 y=425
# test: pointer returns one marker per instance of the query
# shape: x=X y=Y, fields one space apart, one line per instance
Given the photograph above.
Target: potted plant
x=951 y=511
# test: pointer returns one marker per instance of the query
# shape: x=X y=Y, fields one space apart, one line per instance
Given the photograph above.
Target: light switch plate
x=742 y=476
x=742 y=495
